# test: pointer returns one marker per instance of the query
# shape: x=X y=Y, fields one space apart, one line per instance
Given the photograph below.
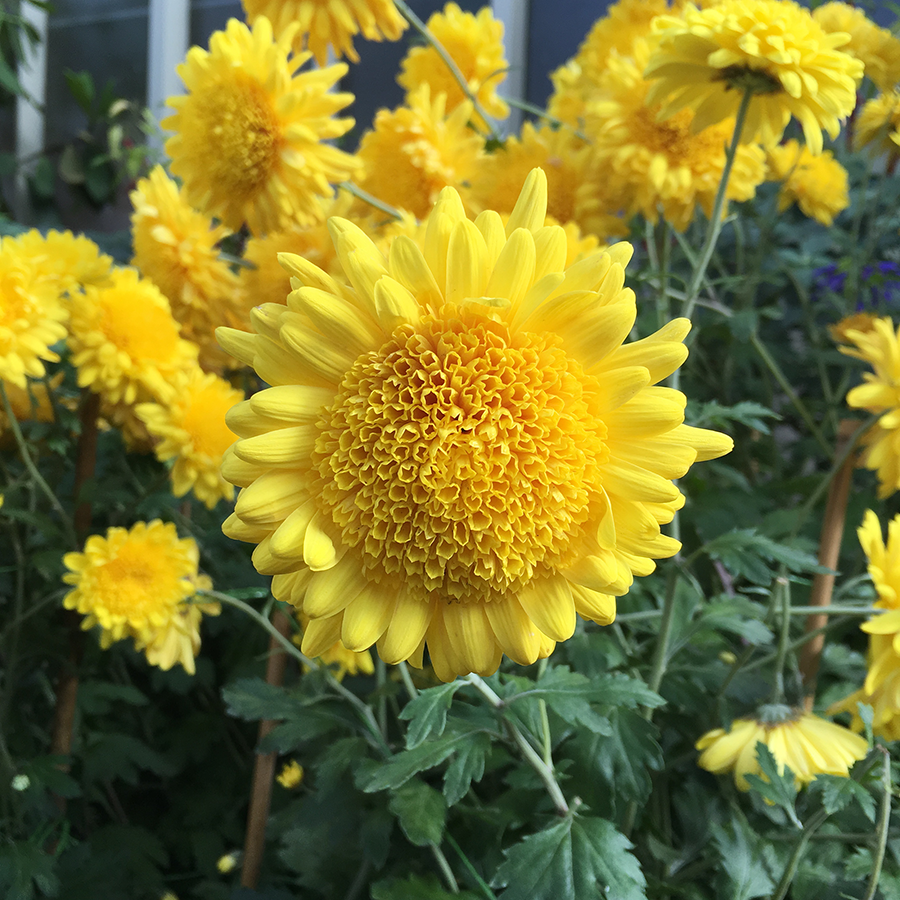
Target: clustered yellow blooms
x=817 y=183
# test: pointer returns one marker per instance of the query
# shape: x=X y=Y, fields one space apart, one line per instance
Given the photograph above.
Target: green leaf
x=747 y=412
x=8 y=80
x=70 y=168
x=427 y=713
x=579 y=857
x=421 y=812
x=744 y=869
x=81 y=87
x=99 y=180
x=744 y=553
x=43 y=179
x=779 y=788
x=629 y=754
x=47 y=772
x=252 y=698
x=867 y=715
x=96 y=698
x=466 y=766
x=838 y=791
x=415 y=888
x=400 y=768
x=109 y=756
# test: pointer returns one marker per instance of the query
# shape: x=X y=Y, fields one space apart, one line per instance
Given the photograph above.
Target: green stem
x=544 y=771
x=444 y=866
x=449 y=62
x=543 y=114
x=884 y=821
x=784 y=636
x=663 y=247
x=815 y=822
x=661 y=652
x=372 y=200
x=407 y=680
x=483 y=886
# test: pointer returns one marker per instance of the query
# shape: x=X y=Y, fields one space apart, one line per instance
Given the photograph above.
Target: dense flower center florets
x=461 y=456
x=131 y=585
x=147 y=332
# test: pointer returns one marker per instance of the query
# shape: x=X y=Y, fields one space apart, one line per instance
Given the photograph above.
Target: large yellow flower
x=880 y=348
x=807 y=744
x=176 y=247
x=250 y=134
x=32 y=314
x=341 y=660
x=329 y=24
x=414 y=151
x=135 y=584
x=124 y=341
x=475 y=44
x=706 y=59
x=458 y=449
x=69 y=261
x=817 y=183
x=878 y=49
x=878 y=124
x=664 y=166
x=192 y=432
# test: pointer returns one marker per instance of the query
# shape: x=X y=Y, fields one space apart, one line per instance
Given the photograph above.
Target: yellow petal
x=466 y=263
x=408 y=267
x=365 y=619
x=410 y=619
x=320 y=354
x=321 y=549
x=530 y=210
x=292 y=402
x=394 y=304
x=446 y=213
x=282 y=447
x=239 y=344
x=594 y=605
x=551 y=249
x=490 y=225
x=513 y=273
x=320 y=635
x=287 y=539
x=271 y=498
x=470 y=634
x=340 y=321
x=330 y=591
x=516 y=634
x=548 y=603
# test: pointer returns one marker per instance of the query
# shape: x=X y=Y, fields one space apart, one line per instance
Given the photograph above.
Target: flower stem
x=661 y=652
x=784 y=635
x=884 y=821
x=444 y=866
x=482 y=884
x=372 y=200
x=407 y=680
x=812 y=826
x=544 y=771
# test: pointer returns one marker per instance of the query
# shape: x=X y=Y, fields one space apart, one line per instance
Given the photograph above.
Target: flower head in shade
x=32 y=314
x=458 y=448
x=135 y=584
x=880 y=394
x=415 y=151
x=475 y=44
x=124 y=341
x=878 y=124
x=661 y=166
x=323 y=25
x=876 y=47
x=807 y=744
x=192 y=432
x=176 y=247
x=817 y=183
x=268 y=124
x=36 y=402
x=707 y=58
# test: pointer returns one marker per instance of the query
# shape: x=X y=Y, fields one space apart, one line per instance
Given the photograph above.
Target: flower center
x=133 y=586
x=143 y=331
x=745 y=78
x=460 y=457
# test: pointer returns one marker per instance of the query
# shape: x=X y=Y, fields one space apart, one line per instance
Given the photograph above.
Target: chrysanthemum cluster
x=817 y=183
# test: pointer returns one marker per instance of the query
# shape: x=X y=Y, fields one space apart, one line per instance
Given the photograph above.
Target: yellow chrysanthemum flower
x=475 y=44
x=807 y=744
x=880 y=348
x=176 y=248
x=458 y=450
x=337 y=656
x=268 y=124
x=707 y=58
x=228 y=862
x=124 y=341
x=878 y=124
x=32 y=314
x=579 y=189
x=135 y=584
x=291 y=774
x=878 y=49
x=414 y=151
x=69 y=261
x=817 y=183
x=860 y=321
x=192 y=432
x=323 y=25
x=661 y=167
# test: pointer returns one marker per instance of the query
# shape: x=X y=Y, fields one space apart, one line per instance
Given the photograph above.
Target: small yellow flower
x=192 y=432
x=807 y=744
x=475 y=44
x=878 y=124
x=269 y=126
x=228 y=862
x=818 y=184
x=290 y=775
x=707 y=58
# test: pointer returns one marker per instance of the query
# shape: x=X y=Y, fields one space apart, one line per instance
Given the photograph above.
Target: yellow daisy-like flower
x=878 y=49
x=176 y=248
x=663 y=166
x=69 y=261
x=475 y=44
x=861 y=321
x=192 y=432
x=135 y=584
x=323 y=25
x=268 y=124
x=414 y=151
x=707 y=58
x=817 y=183
x=458 y=450
x=807 y=744
x=880 y=348
x=878 y=124
x=125 y=342
x=291 y=774
x=32 y=314
x=884 y=569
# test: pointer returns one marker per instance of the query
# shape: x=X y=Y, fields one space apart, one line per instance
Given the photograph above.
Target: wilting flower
x=321 y=25
x=176 y=247
x=878 y=124
x=880 y=348
x=475 y=44
x=817 y=183
x=458 y=448
x=269 y=126
x=414 y=151
x=136 y=584
x=807 y=744
x=708 y=58
x=192 y=431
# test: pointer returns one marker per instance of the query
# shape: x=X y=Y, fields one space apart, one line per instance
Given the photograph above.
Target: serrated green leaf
x=578 y=857
x=867 y=716
x=421 y=812
x=402 y=766
x=747 y=412
x=466 y=766
x=427 y=713
x=252 y=698
x=747 y=554
x=743 y=867
x=838 y=791
x=779 y=788
x=628 y=755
